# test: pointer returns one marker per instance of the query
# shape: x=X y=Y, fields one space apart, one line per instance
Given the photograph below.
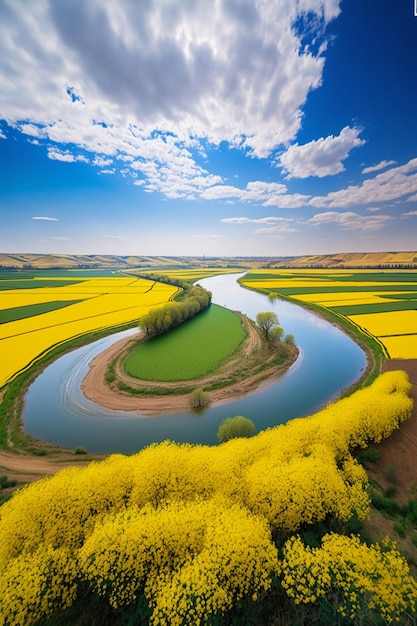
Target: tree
x=233 y=427
x=266 y=322
x=198 y=397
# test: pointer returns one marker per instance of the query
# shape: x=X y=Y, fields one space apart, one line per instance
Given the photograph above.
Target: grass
x=189 y=351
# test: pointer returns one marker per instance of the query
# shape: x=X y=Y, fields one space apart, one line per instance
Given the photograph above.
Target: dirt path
x=27 y=468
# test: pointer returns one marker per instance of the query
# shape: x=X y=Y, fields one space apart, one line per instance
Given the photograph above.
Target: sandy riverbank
x=243 y=366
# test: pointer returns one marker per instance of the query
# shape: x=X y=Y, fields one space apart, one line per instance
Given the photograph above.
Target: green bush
x=5 y=482
x=198 y=397
x=400 y=529
x=233 y=427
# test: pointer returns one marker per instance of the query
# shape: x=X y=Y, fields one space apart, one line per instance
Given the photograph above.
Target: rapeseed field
x=92 y=304
x=383 y=303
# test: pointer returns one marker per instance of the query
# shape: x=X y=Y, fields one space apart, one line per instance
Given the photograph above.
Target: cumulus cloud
x=393 y=184
x=66 y=156
x=350 y=220
x=263 y=193
x=322 y=157
x=43 y=218
x=148 y=83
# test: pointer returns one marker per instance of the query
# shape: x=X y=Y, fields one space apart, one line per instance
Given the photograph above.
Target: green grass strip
x=378 y=307
x=189 y=351
x=21 y=312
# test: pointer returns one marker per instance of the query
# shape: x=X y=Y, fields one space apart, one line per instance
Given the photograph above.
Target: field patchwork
x=52 y=311
x=381 y=302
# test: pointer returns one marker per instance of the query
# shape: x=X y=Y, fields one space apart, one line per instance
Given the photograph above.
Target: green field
x=189 y=351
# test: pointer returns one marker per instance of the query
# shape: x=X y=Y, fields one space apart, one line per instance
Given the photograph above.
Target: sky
x=208 y=127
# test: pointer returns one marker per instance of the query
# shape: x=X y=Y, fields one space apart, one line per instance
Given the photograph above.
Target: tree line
x=159 y=321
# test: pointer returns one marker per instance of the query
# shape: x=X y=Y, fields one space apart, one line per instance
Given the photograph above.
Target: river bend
x=56 y=410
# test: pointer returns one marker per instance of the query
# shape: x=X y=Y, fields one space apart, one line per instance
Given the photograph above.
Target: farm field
x=190 y=351
x=189 y=275
x=383 y=303
x=38 y=312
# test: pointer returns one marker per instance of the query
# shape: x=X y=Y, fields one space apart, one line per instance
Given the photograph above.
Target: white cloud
x=393 y=184
x=266 y=194
x=276 y=226
x=65 y=155
x=150 y=82
x=101 y=161
x=45 y=219
x=119 y=237
x=409 y=214
x=260 y=220
x=380 y=166
x=322 y=157
x=284 y=229
x=61 y=238
x=350 y=220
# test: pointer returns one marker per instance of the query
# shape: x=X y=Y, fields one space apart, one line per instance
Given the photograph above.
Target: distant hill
x=97 y=261
x=383 y=260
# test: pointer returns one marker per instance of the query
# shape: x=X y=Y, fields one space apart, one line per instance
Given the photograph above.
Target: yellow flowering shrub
x=189 y=527
x=33 y=586
x=358 y=578
x=190 y=559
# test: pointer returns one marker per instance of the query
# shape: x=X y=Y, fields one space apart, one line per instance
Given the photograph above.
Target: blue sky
x=228 y=127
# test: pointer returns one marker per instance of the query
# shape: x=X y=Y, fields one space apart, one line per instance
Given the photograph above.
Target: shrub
x=391 y=473
x=233 y=427
x=369 y=455
x=198 y=397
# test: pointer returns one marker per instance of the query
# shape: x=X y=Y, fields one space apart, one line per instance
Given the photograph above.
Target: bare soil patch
x=397 y=468
x=400 y=449
x=251 y=366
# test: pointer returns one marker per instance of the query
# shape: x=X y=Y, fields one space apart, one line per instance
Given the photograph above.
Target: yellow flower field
x=105 y=302
x=390 y=323
x=381 y=302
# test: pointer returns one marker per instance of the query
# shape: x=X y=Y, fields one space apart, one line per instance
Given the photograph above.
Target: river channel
x=56 y=410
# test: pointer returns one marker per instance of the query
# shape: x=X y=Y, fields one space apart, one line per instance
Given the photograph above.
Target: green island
x=219 y=351
x=190 y=350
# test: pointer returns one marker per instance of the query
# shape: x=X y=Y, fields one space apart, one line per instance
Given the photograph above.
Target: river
x=56 y=411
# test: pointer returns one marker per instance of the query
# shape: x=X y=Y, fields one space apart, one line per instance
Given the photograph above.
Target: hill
x=101 y=261
x=352 y=259
x=98 y=261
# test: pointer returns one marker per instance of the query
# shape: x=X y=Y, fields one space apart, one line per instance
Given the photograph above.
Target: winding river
x=57 y=411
